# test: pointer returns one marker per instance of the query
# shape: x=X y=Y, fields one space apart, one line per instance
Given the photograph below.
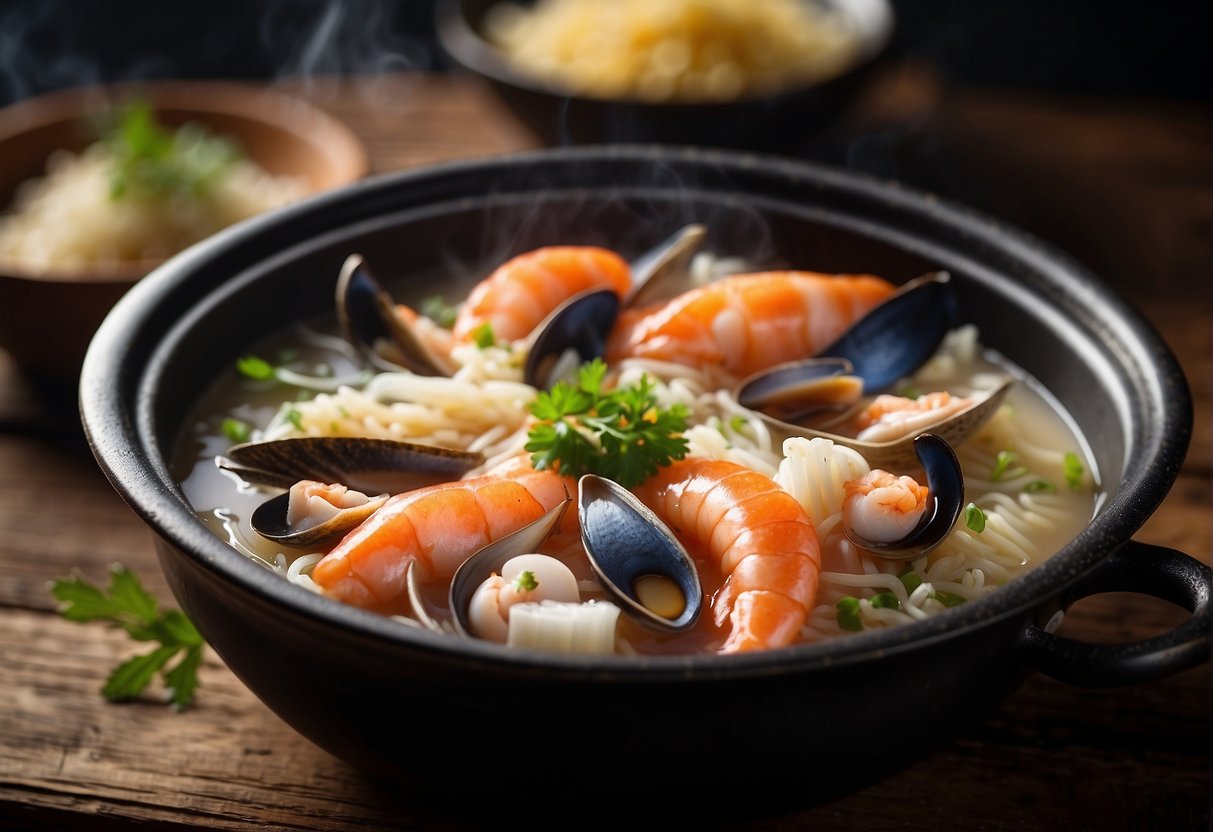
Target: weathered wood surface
x=1123 y=186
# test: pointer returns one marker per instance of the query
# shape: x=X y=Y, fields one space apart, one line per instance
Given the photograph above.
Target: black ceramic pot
x=777 y=122
x=438 y=712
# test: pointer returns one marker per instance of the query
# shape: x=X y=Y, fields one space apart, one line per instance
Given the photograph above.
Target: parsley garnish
x=236 y=430
x=975 y=518
x=1002 y=467
x=848 y=614
x=150 y=161
x=254 y=367
x=439 y=311
x=129 y=606
x=1073 y=468
x=483 y=336
x=526 y=581
x=620 y=434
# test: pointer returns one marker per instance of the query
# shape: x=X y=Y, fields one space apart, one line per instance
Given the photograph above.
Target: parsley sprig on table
x=128 y=605
x=621 y=434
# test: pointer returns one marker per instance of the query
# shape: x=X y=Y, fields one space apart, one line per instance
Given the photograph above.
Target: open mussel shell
x=900 y=334
x=575 y=332
x=946 y=483
x=483 y=563
x=796 y=389
x=626 y=542
x=368 y=318
x=270 y=521
x=899 y=453
x=372 y=466
x=664 y=270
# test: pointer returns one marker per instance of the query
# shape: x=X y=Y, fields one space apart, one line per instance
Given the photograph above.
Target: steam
x=47 y=45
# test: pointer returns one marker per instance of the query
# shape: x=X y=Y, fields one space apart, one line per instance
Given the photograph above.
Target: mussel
x=946 y=483
x=815 y=396
x=389 y=342
x=272 y=519
x=639 y=562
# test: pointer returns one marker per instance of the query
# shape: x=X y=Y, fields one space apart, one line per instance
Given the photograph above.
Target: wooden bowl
x=48 y=315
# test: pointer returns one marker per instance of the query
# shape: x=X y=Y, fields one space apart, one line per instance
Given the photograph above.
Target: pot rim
x=117 y=395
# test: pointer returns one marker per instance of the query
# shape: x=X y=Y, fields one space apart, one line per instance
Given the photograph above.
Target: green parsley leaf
x=292 y=415
x=439 y=311
x=1040 y=487
x=975 y=518
x=483 y=336
x=1002 y=467
x=250 y=366
x=128 y=605
x=525 y=581
x=848 y=614
x=149 y=161
x=236 y=430
x=1074 y=471
x=621 y=434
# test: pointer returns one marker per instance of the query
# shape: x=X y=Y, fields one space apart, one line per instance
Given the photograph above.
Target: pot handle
x=1135 y=567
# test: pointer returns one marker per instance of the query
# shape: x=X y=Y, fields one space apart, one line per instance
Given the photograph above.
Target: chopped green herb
x=250 y=366
x=975 y=518
x=737 y=423
x=910 y=579
x=345 y=414
x=1040 y=487
x=948 y=599
x=620 y=434
x=882 y=600
x=910 y=392
x=483 y=336
x=1002 y=467
x=236 y=430
x=1074 y=470
x=439 y=311
x=129 y=606
x=150 y=161
x=292 y=415
x=525 y=581
x=848 y=614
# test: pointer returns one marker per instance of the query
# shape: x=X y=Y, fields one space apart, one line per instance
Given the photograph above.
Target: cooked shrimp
x=515 y=298
x=524 y=579
x=746 y=323
x=756 y=532
x=892 y=417
x=881 y=507
x=437 y=527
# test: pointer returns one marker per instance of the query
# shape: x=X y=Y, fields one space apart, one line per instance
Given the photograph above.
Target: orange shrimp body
x=438 y=526
x=515 y=298
x=758 y=535
x=746 y=323
x=883 y=507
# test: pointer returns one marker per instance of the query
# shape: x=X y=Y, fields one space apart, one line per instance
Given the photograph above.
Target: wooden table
x=1122 y=185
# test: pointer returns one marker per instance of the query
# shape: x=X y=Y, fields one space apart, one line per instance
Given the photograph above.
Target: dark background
x=1089 y=47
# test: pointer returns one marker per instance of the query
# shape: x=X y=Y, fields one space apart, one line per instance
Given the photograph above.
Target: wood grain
x=1123 y=185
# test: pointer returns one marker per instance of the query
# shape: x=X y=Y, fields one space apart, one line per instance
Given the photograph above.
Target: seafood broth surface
x=1030 y=484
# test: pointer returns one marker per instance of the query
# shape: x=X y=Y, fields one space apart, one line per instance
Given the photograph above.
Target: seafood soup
x=588 y=468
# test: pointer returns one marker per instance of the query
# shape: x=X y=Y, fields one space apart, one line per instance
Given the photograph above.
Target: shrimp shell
x=748 y=322
x=438 y=526
x=758 y=534
x=516 y=297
